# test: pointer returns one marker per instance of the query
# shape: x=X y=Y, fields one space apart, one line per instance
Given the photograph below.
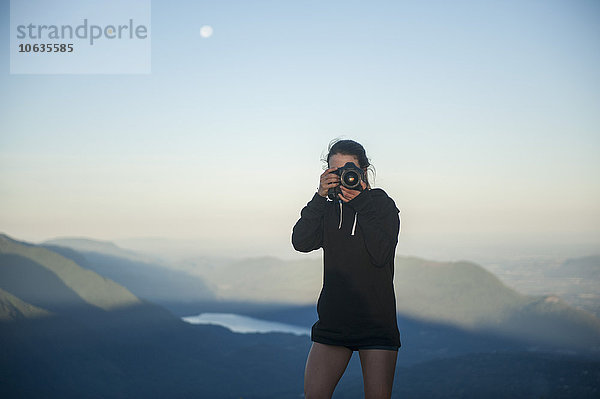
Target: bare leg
x=378 y=367
x=324 y=368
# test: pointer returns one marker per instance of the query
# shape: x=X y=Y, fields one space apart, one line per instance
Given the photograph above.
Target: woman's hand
x=348 y=194
x=328 y=180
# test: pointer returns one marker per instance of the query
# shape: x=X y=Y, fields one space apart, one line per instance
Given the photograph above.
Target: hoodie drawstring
x=353 y=225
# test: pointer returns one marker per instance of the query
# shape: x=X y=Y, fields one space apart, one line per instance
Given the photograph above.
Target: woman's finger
x=328 y=171
x=329 y=181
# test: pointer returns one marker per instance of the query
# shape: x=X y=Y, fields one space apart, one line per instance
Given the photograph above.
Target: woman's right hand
x=328 y=180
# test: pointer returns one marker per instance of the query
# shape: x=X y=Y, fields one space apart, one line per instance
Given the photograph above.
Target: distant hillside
x=86 y=284
x=583 y=277
x=465 y=294
x=67 y=332
x=575 y=280
x=266 y=279
x=157 y=283
x=12 y=308
x=83 y=244
x=459 y=293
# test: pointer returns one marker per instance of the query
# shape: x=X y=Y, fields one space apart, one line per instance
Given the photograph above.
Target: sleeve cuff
x=318 y=200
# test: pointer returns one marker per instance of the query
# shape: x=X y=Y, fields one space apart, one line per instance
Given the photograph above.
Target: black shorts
x=386 y=347
x=357 y=347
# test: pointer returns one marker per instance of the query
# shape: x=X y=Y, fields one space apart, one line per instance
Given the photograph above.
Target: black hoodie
x=357 y=304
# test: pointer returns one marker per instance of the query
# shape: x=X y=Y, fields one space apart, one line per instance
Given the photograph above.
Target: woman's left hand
x=348 y=194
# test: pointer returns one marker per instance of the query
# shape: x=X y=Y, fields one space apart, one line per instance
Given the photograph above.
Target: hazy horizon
x=468 y=248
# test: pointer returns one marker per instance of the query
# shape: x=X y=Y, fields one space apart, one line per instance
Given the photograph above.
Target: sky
x=480 y=117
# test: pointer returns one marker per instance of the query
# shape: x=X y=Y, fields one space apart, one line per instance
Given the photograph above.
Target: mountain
x=575 y=280
x=462 y=294
x=12 y=308
x=465 y=294
x=151 y=280
x=18 y=258
x=83 y=244
x=68 y=332
x=266 y=279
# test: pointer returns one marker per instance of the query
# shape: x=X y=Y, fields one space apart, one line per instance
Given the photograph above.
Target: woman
x=357 y=306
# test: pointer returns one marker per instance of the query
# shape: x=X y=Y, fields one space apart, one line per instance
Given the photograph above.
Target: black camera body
x=350 y=177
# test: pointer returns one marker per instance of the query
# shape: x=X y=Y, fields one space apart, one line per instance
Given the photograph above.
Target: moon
x=206 y=31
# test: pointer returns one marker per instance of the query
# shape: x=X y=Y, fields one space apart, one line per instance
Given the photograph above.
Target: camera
x=350 y=177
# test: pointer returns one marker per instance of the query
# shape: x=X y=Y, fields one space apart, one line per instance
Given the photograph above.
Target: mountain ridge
x=12 y=308
x=90 y=286
x=460 y=293
x=145 y=351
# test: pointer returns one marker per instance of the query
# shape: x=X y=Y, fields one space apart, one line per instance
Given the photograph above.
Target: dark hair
x=350 y=147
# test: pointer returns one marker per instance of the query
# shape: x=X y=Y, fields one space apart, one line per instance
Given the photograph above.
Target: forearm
x=307 y=234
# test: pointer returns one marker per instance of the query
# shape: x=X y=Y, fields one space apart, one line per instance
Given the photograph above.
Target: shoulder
x=382 y=198
x=378 y=193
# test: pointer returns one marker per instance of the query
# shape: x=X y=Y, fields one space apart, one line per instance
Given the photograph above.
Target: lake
x=244 y=324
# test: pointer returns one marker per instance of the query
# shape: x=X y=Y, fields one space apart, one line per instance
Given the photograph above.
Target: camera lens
x=350 y=179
